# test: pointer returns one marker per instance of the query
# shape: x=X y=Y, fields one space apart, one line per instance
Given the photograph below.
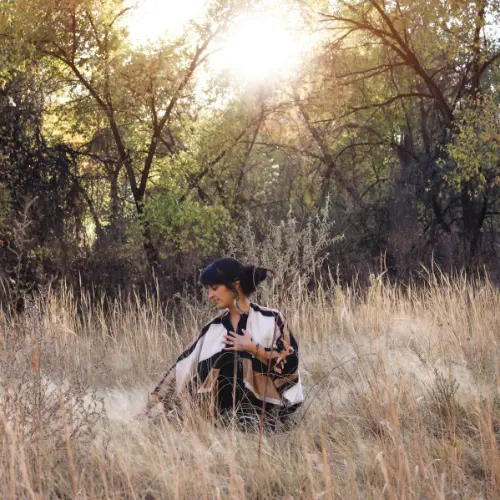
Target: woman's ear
x=237 y=286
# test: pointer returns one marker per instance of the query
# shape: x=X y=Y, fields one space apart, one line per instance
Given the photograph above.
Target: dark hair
x=228 y=270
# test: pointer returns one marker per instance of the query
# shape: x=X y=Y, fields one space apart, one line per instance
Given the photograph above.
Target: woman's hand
x=152 y=402
x=235 y=342
x=143 y=414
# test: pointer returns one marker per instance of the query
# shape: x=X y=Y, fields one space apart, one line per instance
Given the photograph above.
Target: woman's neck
x=244 y=307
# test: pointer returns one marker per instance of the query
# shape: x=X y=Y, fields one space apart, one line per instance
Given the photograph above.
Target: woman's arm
x=164 y=389
x=168 y=385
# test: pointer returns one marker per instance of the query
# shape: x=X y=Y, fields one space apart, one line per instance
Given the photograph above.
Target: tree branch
x=195 y=61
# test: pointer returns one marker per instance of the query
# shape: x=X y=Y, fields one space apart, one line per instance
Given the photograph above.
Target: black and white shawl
x=202 y=363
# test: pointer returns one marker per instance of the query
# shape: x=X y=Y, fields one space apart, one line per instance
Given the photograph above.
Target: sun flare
x=257 y=46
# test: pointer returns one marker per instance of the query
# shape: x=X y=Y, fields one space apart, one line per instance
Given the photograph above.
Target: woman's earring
x=237 y=304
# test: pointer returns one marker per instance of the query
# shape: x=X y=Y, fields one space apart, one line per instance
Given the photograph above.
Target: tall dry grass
x=402 y=387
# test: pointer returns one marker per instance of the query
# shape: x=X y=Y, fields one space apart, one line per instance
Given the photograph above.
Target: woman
x=244 y=359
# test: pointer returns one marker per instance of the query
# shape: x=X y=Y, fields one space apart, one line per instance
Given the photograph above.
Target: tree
x=142 y=96
x=425 y=61
x=42 y=205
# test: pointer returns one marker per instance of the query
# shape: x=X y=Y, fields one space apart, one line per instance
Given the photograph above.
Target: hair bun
x=252 y=277
x=228 y=270
x=259 y=274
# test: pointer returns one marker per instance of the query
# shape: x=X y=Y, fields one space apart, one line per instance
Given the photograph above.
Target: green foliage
x=392 y=118
x=187 y=227
x=475 y=148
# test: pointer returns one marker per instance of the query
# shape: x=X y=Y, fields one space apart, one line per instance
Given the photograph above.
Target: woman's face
x=221 y=295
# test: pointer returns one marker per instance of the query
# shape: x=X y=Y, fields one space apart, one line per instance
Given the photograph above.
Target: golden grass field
x=402 y=399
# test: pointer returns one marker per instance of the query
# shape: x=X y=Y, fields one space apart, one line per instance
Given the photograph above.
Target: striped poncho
x=236 y=380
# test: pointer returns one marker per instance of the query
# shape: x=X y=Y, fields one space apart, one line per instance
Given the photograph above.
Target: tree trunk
x=473 y=214
x=152 y=255
x=116 y=229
